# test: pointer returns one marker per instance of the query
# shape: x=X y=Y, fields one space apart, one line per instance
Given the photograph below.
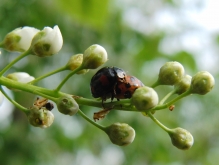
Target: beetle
x=104 y=81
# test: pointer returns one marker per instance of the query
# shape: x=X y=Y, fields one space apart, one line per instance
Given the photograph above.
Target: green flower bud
x=76 y=61
x=181 y=138
x=67 y=105
x=202 y=83
x=40 y=117
x=144 y=98
x=183 y=85
x=120 y=134
x=94 y=56
x=171 y=73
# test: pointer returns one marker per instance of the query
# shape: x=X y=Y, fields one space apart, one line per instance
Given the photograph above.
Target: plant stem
x=158 y=122
x=167 y=96
x=25 y=110
x=52 y=95
x=159 y=107
x=116 y=105
x=91 y=121
x=155 y=84
x=46 y=96
x=27 y=87
x=14 y=61
x=67 y=77
x=48 y=74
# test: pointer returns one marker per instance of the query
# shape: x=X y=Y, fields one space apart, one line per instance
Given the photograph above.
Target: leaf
x=88 y=12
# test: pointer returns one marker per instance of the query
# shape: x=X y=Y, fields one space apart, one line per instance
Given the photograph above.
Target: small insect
x=104 y=81
x=171 y=108
x=43 y=102
x=112 y=82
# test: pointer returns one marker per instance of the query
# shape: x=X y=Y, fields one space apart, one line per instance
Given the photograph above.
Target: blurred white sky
x=208 y=16
x=193 y=26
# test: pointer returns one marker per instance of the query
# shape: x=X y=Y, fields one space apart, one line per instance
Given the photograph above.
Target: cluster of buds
x=173 y=73
x=49 y=41
x=145 y=99
x=40 y=43
x=93 y=57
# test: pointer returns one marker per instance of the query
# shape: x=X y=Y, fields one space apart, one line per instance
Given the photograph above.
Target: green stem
x=91 y=121
x=46 y=96
x=158 y=122
x=67 y=77
x=159 y=107
x=167 y=96
x=155 y=84
x=48 y=74
x=14 y=61
x=52 y=95
x=25 y=110
x=28 y=88
x=123 y=105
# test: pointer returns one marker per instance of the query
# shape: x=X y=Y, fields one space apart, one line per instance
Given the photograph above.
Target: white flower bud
x=20 y=77
x=47 y=42
x=120 y=133
x=94 y=56
x=40 y=117
x=19 y=39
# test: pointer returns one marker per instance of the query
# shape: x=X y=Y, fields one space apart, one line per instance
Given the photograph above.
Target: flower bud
x=76 y=61
x=40 y=117
x=181 y=138
x=20 y=77
x=144 y=98
x=94 y=56
x=67 y=105
x=171 y=73
x=47 y=42
x=183 y=85
x=19 y=39
x=1 y=98
x=120 y=133
x=202 y=83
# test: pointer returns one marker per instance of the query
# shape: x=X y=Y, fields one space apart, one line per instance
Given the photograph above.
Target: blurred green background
x=139 y=36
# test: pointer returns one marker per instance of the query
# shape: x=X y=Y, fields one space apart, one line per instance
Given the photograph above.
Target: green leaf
x=88 y=12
